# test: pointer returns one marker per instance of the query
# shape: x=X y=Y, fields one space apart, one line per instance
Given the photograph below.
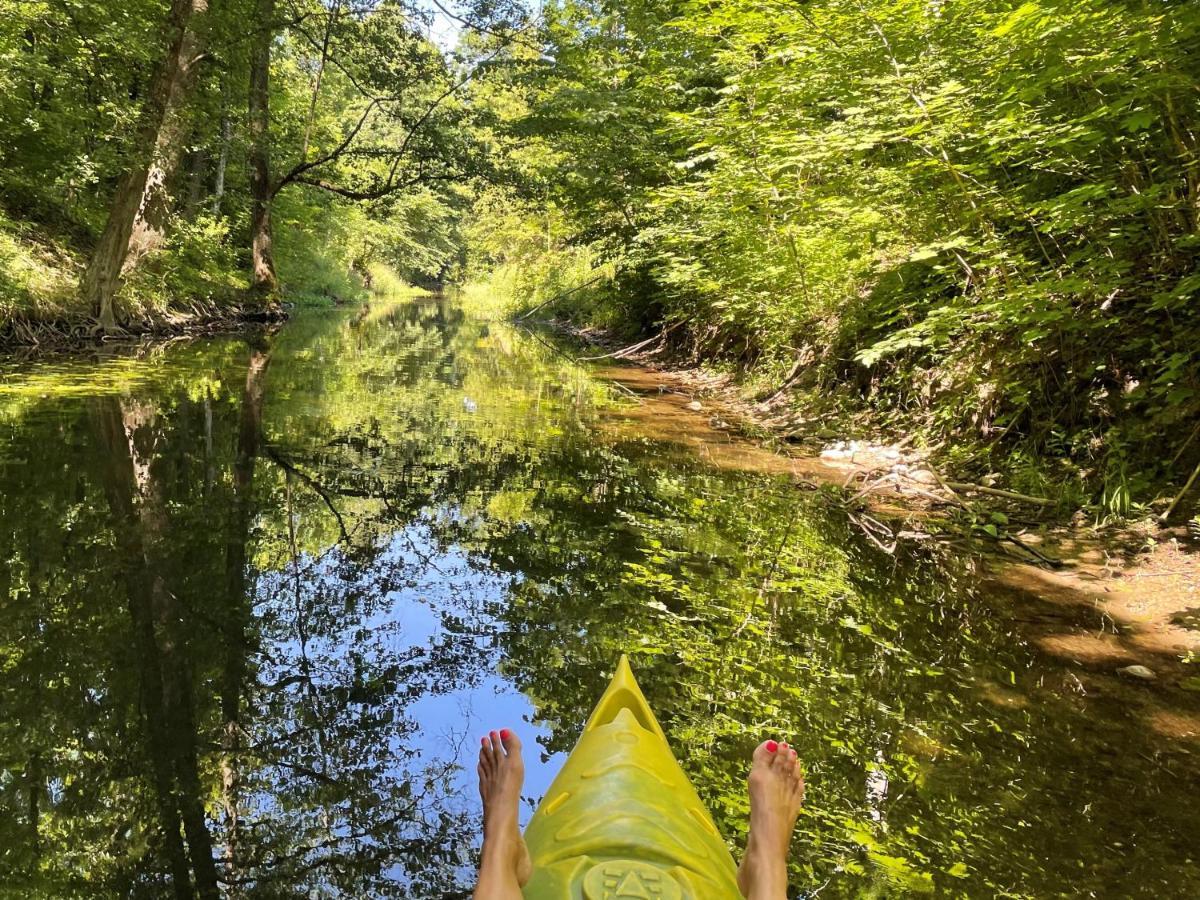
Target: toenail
x=505 y=734
x=772 y=746
x=483 y=742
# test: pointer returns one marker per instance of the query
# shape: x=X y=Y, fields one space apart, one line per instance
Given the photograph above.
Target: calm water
x=262 y=594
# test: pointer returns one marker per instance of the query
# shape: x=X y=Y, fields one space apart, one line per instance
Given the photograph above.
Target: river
x=262 y=593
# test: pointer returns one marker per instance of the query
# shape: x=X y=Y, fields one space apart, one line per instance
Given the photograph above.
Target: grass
x=37 y=275
x=387 y=283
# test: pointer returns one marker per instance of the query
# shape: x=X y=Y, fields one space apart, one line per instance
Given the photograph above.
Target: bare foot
x=505 y=864
x=776 y=795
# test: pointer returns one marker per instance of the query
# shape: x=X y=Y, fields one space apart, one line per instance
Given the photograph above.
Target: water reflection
x=261 y=593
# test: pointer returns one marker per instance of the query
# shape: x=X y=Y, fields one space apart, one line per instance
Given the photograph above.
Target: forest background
x=971 y=225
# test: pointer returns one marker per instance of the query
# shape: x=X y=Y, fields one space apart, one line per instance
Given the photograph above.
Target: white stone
x=1138 y=672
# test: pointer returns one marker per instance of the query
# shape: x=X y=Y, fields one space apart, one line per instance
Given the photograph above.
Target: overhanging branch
x=380 y=191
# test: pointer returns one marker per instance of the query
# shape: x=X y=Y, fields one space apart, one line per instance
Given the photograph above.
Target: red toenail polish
x=483 y=742
x=772 y=746
x=505 y=734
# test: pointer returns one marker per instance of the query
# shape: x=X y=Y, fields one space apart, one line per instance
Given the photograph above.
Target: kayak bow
x=622 y=821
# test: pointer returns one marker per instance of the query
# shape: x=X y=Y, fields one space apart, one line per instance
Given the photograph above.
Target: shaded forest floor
x=1100 y=597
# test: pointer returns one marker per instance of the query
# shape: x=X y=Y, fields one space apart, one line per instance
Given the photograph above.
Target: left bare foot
x=501 y=775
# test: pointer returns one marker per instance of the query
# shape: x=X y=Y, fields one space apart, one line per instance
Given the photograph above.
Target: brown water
x=262 y=593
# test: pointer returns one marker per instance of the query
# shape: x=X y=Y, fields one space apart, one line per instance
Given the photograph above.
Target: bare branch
x=302 y=167
x=383 y=190
x=299 y=173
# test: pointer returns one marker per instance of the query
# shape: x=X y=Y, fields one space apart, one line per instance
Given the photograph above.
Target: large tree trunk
x=170 y=617
x=146 y=173
x=262 y=273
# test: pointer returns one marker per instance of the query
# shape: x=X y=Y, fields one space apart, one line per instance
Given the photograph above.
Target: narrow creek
x=262 y=593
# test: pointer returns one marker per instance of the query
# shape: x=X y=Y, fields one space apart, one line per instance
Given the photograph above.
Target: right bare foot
x=501 y=774
x=776 y=795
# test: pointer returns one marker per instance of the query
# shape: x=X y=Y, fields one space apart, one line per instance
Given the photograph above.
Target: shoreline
x=23 y=337
x=1082 y=592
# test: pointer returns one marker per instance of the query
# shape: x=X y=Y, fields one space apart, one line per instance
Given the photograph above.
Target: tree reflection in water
x=243 y=578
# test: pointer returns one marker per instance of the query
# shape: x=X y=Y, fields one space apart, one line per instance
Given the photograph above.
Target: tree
x=263 y=280
x=155 y=144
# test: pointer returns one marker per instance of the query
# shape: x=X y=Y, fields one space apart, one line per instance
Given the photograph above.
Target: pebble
x=1137 y=672
x=695 y=406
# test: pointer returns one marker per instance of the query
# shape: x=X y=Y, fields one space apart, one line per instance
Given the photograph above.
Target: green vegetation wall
x=980 y=218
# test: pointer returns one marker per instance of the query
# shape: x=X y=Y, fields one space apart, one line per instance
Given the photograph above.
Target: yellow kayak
x=622 y=821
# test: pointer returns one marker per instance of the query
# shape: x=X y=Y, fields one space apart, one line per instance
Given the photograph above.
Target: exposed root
x=199 y=317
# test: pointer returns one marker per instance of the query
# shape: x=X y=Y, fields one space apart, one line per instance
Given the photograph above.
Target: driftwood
x=1033 y=551
x=634 y=348
x=1191 y=437
x=997 y=492
x=788 y=380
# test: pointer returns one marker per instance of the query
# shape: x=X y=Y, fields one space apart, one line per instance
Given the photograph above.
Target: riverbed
x=263 y=592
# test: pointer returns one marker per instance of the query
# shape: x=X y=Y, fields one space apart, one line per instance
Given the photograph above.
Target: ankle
x=498 y=843
x=768 y=844
x=764 y=870
x=495 y=828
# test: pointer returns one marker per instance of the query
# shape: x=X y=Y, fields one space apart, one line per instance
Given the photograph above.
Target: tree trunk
x=262 y=274
x=35 y=785
x=331 y=18
x=238 y=613
x=103 y=275
x=161 y=630
x=223 y=157
x=120 y=487
x=193 y=194
x=171 y=630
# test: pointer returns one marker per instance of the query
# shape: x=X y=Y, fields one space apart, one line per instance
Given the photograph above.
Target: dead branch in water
x=633 y=348
x=868 y=525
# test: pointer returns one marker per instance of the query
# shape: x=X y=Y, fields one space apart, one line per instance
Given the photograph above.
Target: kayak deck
x=622 y=820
